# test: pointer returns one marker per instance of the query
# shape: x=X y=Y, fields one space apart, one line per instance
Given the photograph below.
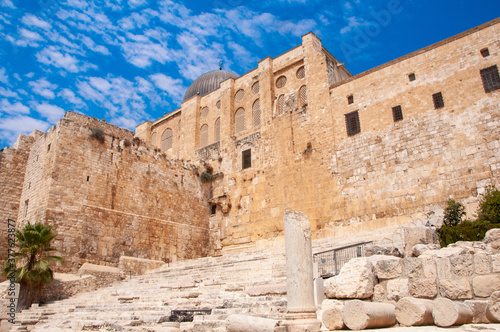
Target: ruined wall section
x=13 y=163
x=120 y=197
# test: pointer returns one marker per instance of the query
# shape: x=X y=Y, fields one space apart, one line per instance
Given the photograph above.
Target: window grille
x=204 y=135
x=280 y=82
x=412 y=77
x=485 y=52
x=217 y=130
x=153 y=139
x=246 y=159
x=217 y=104
x=301 y=72
x=256 y=113
x=491 y=79
x=256 y=88
x=352 y=123
x=204 y=112
x=239 y=120
x=350 y=99
x=166 y=140
x=281 y=104
x=239 y=95
x=303 y=96
x=438 y=100
x=397 y=113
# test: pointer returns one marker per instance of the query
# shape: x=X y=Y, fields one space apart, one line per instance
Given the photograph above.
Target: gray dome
x=207 y=83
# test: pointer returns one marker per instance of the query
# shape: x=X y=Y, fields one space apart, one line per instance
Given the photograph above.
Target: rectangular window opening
x=213 y=209
x=48 y=147
x=411 y=77
x=246 y=159
x=350 y=99
x=88 y=178
x=485 y=52
x=352 y=123
x=397 y=113
x=490 y=78
x=26 y=203
x=438 y=100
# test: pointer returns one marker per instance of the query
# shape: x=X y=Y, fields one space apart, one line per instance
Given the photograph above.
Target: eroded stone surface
x=355 y=281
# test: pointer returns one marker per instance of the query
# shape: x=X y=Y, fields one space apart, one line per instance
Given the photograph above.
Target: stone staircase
x=248 y=282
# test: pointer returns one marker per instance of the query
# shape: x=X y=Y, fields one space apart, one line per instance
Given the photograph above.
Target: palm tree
x=32 y=269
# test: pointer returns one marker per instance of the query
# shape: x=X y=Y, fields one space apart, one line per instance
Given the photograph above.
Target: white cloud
x=51 y=112
x=52 y=56
x=172 y=86
x=15 y=108
x=13 y=126
x=8 y=93
x=91 y=45
x=137 y=3
x=70 y=96
x=33 y=21
x=354 y=22
x=44 y=88
x=7 y=3
x=3 y=77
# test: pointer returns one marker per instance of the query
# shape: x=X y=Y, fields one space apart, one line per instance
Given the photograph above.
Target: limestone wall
x=119 y=197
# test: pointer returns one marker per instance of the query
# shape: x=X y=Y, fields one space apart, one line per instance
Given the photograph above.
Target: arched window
x=256 y=113
x=153 y=139
x=203 y=135
x=204 y=112
x=166 y=140
x=239 y=120
x=217 y=130
x=303 y=96
x=281 y=104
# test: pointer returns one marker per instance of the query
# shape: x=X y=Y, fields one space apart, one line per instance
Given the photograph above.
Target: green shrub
x=206 y=177
x=454 y=213
x=97 y=134
x=465 y=231
x=489 y=206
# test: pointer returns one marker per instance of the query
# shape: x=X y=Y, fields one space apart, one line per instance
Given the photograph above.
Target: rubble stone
x=355 y=281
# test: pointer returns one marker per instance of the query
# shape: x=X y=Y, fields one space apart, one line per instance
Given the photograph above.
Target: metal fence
x=331 y=261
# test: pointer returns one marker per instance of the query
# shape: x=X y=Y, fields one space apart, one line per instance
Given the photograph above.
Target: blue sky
x=128 y=61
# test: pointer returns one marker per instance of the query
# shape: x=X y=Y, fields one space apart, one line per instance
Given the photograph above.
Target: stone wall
x=113 y=198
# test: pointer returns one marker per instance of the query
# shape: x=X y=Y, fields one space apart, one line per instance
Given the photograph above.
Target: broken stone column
x=493 y=308
x=414 y=312
x=332 y=315
x=448 y=313
x=242 y=323
x=301 y=311
x=359 y=315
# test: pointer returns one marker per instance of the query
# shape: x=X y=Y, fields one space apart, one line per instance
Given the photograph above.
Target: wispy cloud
x=3 y=77
x=172 y=86
x=51 y=112
x=54 y=57
x=70 y=97
x=7 y=3
x=16 y=108
x=43 y=88
x=33 y=21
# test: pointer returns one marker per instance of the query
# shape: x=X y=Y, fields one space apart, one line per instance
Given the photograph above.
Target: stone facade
x=393 y=172
x=142 y=196
x=118 y=197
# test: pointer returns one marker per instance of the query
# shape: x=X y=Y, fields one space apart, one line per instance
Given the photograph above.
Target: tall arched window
x=203 y=136
x=256 y=113
x=281 y=104
x=302 y=96
x=153 y=139
x=166 y=140
x=239 y=120
x=217 y=130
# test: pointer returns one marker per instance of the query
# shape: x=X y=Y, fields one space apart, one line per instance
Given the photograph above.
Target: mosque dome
x=207 y=83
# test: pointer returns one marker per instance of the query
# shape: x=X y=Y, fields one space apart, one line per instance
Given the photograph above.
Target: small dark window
x=438 y=100
x=246 y=158
x=491 y=79
x=88 y=178
x=350 y=99
x=411 y=77
x=397 y=113
x=485 y=52
x=29 y=185
x=213 y=209
x=352 y=123
x=48 y=147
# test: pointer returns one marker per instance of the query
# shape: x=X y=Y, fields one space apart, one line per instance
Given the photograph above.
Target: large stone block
x=478 y=311
x=389 y=267
x=462 y=265
x=397 y=289
x=493 y=308
x=412 y=267
x=455 y=289
x=482 y=263
x=495 y=263
x=355 y=281
x=492 y=235
x=423 y=288
x=485 y=285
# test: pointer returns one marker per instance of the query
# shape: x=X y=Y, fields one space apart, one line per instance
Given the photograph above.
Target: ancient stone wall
x=114 y=197
x=390 y=173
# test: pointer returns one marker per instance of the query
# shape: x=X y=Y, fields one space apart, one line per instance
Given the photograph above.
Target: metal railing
x=331 y=261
